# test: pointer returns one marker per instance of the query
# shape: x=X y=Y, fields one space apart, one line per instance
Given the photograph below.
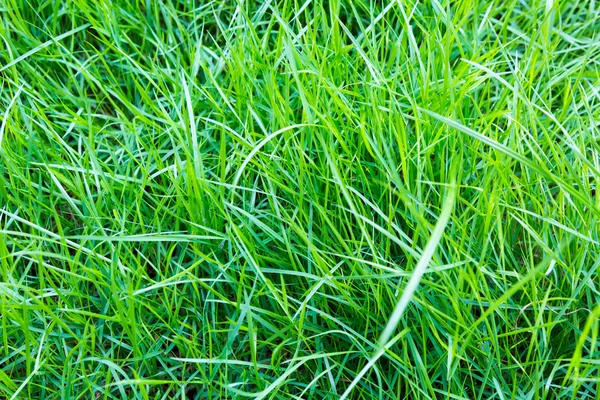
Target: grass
x=290 y=199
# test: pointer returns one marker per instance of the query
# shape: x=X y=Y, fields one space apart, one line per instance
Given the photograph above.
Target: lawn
x=289 y=199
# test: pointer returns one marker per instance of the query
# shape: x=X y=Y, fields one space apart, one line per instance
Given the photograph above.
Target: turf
x=288 y=199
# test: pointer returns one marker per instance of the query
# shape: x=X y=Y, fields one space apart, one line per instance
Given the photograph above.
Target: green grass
x=288 y=199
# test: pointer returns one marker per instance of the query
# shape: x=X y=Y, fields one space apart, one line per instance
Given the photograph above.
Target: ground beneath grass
x=288 y=199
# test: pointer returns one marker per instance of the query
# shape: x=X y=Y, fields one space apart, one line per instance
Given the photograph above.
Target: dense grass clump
x=285 y=199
